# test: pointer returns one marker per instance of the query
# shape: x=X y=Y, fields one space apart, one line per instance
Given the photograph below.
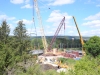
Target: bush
x=92 y=46
x=68 y=61
x=86 y=66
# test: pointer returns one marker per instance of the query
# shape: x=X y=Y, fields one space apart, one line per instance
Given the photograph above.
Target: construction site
x=50 y=55
x=50 y=37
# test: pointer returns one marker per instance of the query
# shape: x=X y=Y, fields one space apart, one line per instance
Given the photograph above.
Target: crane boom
x=40 y=23
x=81 y=39
x=56 y=33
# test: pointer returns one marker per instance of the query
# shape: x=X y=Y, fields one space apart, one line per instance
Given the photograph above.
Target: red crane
x=56 y=33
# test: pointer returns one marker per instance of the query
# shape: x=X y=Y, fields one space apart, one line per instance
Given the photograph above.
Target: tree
x=6 y=50
x=92 y=46
x=4 y=31
x=37 y=43
x=20 y=31
x=0 y=32
x=21 y=37
x=86 y=66
x=13 y=48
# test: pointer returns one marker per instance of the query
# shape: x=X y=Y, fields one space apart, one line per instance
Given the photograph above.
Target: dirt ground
x=48 y=67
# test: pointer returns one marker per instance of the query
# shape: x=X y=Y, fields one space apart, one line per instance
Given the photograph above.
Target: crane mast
x=56 y=33
x=81 y=39
x=42 y=29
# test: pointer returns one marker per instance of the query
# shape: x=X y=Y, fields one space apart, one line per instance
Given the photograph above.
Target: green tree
x=21 y=37
x=86 y=66
x=22 y=42
x=12 y=48
x=7 y=59
x=0 y=34
x=4 y=31
x=36 y=43
x=92 y=46
x=6 y=51
x=20 y=31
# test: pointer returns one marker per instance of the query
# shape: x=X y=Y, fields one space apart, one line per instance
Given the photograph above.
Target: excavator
x=61 y=65
x=81 y=39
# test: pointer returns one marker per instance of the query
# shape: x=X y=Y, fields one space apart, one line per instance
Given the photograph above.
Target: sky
x=86 y=13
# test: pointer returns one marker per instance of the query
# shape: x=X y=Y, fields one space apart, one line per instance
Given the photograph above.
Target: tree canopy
x=4 y=31
x=92 y=46
x=13 y=49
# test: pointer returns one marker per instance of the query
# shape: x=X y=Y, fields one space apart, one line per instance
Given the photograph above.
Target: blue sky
x=86 y=12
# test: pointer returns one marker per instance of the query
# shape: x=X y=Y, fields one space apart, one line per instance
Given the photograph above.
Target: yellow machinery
x=81 y=39
x=40 y=23
x=61 y=65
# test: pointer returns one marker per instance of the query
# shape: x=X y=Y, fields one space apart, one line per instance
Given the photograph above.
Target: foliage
x=4 y=31
x=14 y=57
x=37 y=43
x=68 y=61
x=5 y=51
x=37 y=70
x=58 y=43
x=87 y=66
x=12 y=49
x=20 y=31
x=68 y=43
x=7 y=59
x=21 y=37
x=92 y=46
x=51 y=72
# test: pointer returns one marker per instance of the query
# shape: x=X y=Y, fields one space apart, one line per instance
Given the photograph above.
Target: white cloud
x=27 y=1
x=56 y=17
x=27 y=6
x=26 y=22
x=90 y=1
x=11 y=26
x=93 y=20
x=11 y=18
x=5 y=17
x=70 y=32
x=33 y=32
x=93 y=17
x=94 y=23
x=19 y=1
x=91 y=32
x=98 y=5
x=46 y=0
x=61 y=2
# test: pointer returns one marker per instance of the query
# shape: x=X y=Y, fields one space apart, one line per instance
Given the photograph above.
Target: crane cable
x=44 y=4
x=33 y=24
x=64 y=28
x=34 y=21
